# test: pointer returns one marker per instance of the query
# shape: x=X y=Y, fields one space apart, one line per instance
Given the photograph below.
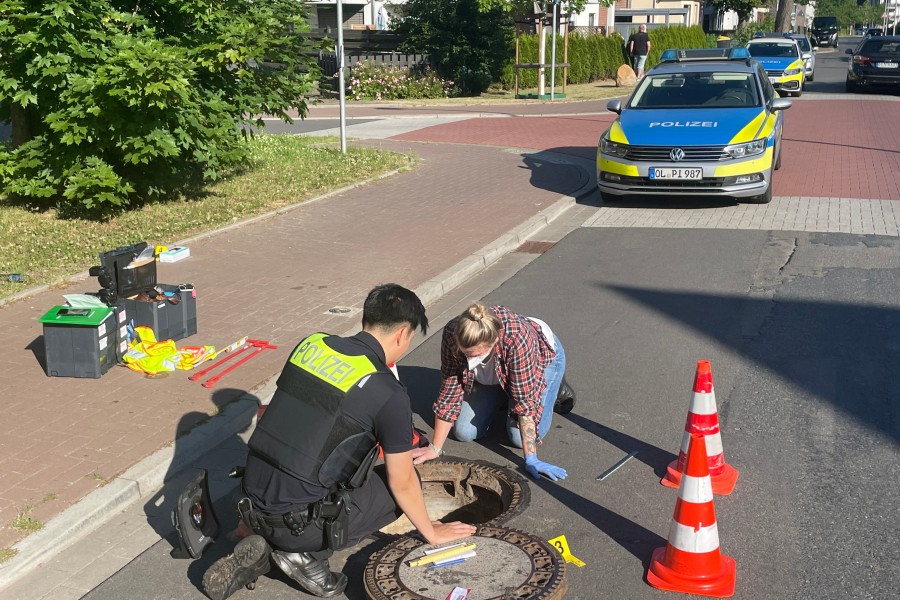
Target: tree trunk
x=21 y=125
x=783 y=15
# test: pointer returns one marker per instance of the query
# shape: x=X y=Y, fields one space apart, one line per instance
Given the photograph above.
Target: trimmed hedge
x=596 y=57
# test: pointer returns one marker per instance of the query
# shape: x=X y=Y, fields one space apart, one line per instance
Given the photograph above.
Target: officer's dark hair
x=389 y=305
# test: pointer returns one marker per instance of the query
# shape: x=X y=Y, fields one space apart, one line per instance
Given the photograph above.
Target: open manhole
x=469 y=491
x=508 y=565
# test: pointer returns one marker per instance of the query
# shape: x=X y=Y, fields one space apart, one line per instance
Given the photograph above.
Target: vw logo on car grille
x=676 y=154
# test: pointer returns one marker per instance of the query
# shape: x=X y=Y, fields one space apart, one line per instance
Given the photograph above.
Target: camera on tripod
x=107 y=292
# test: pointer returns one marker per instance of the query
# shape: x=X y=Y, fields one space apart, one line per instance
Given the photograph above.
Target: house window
x=591 y=22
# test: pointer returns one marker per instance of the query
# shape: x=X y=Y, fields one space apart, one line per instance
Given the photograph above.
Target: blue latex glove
x=536 y=468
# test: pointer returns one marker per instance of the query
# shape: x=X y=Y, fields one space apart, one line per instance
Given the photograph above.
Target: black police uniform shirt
x=276 y=492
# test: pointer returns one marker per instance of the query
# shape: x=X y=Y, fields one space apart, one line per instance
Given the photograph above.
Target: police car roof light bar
x=704 y=54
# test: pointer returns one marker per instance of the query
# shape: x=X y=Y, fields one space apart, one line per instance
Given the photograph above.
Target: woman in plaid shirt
x=492 y=357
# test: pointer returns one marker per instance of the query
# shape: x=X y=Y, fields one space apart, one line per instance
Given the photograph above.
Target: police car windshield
x=696 y=90
x=773 y=50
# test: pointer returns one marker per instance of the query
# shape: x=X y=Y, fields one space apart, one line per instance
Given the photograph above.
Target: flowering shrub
x=369 y=81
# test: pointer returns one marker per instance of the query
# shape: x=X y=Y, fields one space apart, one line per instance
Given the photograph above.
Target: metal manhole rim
x=555 y=585
x=519 y=480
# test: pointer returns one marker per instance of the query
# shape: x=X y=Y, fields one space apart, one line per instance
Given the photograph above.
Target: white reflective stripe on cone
x=714 y=444
x=695 y=489
x=686 y=539
x=703 y=404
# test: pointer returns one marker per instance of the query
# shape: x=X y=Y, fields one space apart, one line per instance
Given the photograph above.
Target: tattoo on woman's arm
x=529 y=435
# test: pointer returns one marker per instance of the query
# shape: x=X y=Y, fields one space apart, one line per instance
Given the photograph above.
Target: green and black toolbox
x=79 y=342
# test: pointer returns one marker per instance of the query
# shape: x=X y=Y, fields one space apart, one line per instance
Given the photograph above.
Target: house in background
x=357 y=14
x=625 y=15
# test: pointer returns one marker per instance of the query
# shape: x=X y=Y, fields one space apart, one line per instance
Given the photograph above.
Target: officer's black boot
x=314 y=576
x=565 y=398
x=227 y=575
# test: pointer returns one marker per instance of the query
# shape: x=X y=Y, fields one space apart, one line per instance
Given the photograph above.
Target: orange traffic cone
x=691 y=562
x=703 y=419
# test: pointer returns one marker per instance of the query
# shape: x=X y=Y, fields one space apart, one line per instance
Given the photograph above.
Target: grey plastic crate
x=79 y=342
x=168 y=321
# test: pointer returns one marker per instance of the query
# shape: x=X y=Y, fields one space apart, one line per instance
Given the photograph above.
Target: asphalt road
x=801 y=332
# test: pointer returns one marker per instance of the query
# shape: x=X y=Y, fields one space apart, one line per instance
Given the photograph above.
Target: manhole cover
x=509 y=565
x=469 y=491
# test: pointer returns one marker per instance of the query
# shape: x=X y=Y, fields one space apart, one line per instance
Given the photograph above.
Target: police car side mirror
x=781 y=104
x=806 y=56
x=614 y=106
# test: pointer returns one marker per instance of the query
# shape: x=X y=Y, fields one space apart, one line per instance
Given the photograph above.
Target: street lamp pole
x=553 y=52
x=342 y=108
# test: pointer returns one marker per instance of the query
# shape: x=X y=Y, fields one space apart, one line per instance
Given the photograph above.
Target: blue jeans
x=481 y=405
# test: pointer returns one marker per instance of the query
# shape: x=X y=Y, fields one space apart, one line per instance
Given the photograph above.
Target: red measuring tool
x=229 y=350
x=260 y=345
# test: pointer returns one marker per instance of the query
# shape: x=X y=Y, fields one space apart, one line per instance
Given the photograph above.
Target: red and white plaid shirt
x=522 y=355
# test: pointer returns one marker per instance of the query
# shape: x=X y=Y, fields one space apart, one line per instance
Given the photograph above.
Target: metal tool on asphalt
x=615 y=467
x=259 y=346
x=230 y=350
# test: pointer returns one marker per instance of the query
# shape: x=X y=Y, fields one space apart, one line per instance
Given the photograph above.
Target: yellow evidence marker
x=562 y=545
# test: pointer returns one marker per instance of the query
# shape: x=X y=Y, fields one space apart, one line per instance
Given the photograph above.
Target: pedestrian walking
x=493 y=358
x=639 y=48
x=309 y=485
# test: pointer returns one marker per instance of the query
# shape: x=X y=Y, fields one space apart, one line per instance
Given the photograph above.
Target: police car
x=701 y=122
x=784 y=62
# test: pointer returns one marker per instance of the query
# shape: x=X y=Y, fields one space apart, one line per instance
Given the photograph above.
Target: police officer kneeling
x=309 y=485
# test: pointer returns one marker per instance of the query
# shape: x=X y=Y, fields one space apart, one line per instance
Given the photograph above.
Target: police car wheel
x=609 y=198
x=762 y=198
x=812 y=77
x=778 y=158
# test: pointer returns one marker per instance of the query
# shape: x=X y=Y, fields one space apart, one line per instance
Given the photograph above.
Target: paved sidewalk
x=275 y=279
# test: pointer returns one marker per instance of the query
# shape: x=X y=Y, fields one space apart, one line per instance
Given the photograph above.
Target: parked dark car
x=874 y=62
x=874 y=31
x=824 y=31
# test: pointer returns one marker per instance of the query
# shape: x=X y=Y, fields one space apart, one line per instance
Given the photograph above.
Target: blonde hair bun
x=477 y=325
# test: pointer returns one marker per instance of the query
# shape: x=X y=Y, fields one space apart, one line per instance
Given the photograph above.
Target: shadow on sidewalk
x=186 y=462
x=552 y=172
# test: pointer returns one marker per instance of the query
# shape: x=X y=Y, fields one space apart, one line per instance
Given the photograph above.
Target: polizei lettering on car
x=684 y=124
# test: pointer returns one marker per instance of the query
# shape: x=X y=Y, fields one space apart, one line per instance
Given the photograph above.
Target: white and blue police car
x=702 y=122
x=784 y=62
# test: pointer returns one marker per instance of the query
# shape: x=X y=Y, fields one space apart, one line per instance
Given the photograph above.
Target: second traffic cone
x=691 y=562
x=703 y=419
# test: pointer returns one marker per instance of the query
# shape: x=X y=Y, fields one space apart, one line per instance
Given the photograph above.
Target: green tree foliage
x=849 y=12
x=114 y=102
x=467 y=42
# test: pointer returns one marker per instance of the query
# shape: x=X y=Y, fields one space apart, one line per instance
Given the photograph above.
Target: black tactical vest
x=304 y=430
